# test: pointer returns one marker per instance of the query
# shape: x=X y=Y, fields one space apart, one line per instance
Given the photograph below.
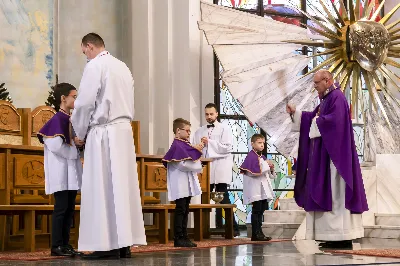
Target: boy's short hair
x=256 y=137
x=61 y=89
x=179 y=123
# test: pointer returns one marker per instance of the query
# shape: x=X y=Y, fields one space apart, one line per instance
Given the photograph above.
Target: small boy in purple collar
x=257 y=188
x=183 y=164
x=62 y=168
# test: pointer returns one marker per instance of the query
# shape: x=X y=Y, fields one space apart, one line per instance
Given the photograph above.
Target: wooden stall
x=22 y=183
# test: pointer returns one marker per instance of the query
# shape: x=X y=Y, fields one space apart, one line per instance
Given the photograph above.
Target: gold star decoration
x=357 y=46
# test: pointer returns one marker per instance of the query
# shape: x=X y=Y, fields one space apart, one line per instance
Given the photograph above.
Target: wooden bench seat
x=201 y=226
x=201 y=229
x=29 y=213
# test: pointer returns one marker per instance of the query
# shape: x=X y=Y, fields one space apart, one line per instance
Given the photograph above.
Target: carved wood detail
x=156 y=175
x=28 y=171
x=40 y=116
x=10 y=119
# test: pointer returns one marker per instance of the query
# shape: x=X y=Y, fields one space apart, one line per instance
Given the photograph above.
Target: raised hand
x=199 y=146
x=290 y=109
x=271 y=165
x=204 y=140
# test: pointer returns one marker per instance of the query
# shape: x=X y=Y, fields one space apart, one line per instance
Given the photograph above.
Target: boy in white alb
x=63 y=168
x=183 y=164
x=257 y=188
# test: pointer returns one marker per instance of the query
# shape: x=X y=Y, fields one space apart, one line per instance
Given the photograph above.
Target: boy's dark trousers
x=257 y=216
x=181 y=217
x=63 y=215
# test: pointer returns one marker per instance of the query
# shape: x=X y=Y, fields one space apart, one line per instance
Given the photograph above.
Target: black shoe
x=125 y=252
x=102 y=255
x=190 y=243
x=236 y=233
x=267 y=238
x=61 y=252
x=260 y=237
x=72 y=250
x=182 y=242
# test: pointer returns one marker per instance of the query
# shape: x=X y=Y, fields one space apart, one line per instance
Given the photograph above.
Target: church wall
x=158 y=39
x=172 y=66
x=173 y=70
x=77 y=18
x=27 y=50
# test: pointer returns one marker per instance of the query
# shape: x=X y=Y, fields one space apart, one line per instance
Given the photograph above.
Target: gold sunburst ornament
x=261 y=65
x=358 y=47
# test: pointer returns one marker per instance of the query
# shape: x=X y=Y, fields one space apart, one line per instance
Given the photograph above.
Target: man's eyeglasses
x=317 y=82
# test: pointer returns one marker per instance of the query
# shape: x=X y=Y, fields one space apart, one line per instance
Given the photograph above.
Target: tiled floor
x=280 y=253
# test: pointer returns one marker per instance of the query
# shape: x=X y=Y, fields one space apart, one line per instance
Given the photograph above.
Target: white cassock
x=62 y=165
x=258 y=187
x=338 y=224
x=111 y=211
x=182 y=179
x=219 y=149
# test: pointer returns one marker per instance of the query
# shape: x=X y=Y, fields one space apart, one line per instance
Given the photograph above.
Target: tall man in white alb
x=218 y=145
x=111 y=213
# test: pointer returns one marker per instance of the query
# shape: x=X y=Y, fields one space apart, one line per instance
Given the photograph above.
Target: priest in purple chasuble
x=329 y=185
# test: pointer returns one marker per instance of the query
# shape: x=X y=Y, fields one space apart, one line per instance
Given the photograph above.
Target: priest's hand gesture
x=290 y=109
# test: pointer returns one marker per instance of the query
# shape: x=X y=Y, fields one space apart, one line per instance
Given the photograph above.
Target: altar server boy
x=183 y=164
x=257 y=188
x=62 y=167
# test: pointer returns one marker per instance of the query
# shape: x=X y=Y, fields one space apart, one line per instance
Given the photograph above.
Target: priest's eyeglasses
x=317 y=82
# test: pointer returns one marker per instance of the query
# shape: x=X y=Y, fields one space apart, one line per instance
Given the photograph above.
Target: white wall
x=159 y=40
x=76 y=19
x=173 y=70
x=172 y=67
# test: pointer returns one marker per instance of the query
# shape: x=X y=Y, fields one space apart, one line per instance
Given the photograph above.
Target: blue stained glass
x=316 y=60
x=228 y=104
x=315 y=8
x=242 y=131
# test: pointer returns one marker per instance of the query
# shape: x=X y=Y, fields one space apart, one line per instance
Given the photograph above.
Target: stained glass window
x=315 y=60
x=288 y=20
x=242 y=211
x=228 y=104
x=315 y=8
x=288 y=7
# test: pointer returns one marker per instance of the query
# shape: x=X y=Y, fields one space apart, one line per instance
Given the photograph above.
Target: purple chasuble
x=312 y=189
x=181 y=150
x=57 y=126
x=252 y=163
